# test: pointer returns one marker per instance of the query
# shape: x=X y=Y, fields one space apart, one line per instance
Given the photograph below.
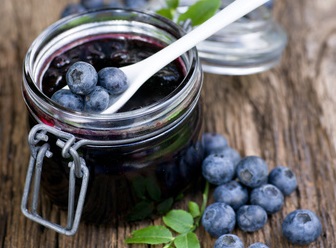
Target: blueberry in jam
x=81 y=78
x=97 y=101
x=68 y=99
x=113 y=79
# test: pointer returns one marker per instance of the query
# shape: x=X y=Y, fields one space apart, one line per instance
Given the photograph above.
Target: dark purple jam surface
x=115 y=52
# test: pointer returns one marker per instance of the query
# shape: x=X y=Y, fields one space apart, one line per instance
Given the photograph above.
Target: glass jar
x=252 y=44
x=130 y=163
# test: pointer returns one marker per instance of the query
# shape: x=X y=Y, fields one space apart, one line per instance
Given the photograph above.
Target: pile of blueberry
x=84 y=5
x=246 y=193
x=90 y=91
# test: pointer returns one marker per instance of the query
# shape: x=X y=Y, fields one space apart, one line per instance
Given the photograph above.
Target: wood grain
x=286 y=115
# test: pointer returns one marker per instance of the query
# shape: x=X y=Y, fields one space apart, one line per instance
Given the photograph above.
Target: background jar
x=133 y=160
x=252 y=44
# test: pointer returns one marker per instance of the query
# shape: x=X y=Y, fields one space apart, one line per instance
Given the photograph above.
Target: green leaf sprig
x=197 y=13
x=178 y=230
x=149 y=202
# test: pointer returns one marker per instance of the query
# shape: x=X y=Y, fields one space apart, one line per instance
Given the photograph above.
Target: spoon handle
x=226 y=16
x=138 y=73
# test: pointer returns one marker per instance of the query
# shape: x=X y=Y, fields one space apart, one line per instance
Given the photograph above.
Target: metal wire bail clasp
x=40 y=148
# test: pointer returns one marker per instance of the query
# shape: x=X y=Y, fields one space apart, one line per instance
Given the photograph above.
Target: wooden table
x=286 y=115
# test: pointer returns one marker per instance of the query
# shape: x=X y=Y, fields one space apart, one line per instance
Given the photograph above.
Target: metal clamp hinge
x=77 y=169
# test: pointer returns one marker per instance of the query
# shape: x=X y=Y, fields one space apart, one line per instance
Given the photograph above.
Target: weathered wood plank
x=286 y=115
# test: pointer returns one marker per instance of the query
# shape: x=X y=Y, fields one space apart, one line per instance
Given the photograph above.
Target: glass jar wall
x=133 y=160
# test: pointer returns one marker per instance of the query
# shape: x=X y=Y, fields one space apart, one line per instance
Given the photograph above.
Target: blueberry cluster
x=84 y=5
x=90 y=91
x=246 y=193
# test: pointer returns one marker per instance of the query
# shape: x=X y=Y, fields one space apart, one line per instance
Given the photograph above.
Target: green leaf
x=194 y=209
x=179 y=197
x=200 y=11
x=188 y=240
x=139 y=187
x=165 y=206
x=179 y=220
x=166 y=12
x=152 y=235
x=153 y=189
x=172 y=4
x=141 y=211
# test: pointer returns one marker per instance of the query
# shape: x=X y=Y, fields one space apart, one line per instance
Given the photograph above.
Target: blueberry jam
x=124 y=177
x=134 y=179
x=116 y=52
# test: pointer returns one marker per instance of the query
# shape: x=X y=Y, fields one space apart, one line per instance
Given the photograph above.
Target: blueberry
x=166 y=76
x=229 y=241
x=93 y=52
x=136 y=3
x=61 y=60
x=113 y=79
x=258 y=245
x=283 y=178
x=191 y=160
x=194 y=154
x=251 y=218
x=213 y=142
x=230 y=153
x=217 y=169
x=97 y=101
x=92 y=4
x=269 y=4
x=301 y=227
x=68 y=100
x=268 y=197
x=81 y=78
x=232 y=193
x=74 y=8
x=218 y=219
x=115 y=4
x=252 y=171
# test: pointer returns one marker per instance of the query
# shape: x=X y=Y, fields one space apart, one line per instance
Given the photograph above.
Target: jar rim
x=67 y=22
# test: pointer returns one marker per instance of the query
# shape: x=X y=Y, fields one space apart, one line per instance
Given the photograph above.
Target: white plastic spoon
x=138 y=73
